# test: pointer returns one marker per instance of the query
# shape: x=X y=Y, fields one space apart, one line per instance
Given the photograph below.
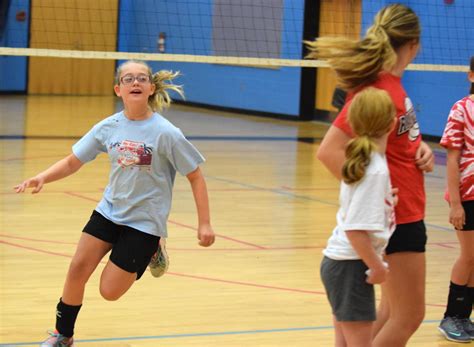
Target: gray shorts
x=350 y=296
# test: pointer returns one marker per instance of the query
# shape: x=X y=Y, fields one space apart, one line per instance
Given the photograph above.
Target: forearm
x=360 y=241
x=332 y=150
x=61 y=169
x=199 y=188
x=332 y=161
x=452 y=173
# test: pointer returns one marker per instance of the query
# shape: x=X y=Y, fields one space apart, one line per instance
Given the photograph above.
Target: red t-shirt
x=459 y=134
x=402 y=144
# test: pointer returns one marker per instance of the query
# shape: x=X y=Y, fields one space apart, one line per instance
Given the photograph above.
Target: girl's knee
x=80 y=269
x=467 y=261
x=412 y=322
x=109 y=294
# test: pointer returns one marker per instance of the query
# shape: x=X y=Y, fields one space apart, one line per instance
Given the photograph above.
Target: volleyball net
x=265 y=33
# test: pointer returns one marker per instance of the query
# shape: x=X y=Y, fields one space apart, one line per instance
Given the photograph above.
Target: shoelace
x=458 y=323
x=54 y=333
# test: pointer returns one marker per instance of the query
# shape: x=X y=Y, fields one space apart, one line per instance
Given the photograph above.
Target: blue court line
x=439 y=227
x=273 y=190
x=301 y=197
x=177 y=336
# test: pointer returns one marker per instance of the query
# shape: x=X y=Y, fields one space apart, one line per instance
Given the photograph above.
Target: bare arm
x=198 y=185
x=456 y=213
x=58 y=170
x=360 y=241
x=332 y=150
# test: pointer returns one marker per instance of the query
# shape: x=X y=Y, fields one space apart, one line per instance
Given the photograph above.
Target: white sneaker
x=55 y=339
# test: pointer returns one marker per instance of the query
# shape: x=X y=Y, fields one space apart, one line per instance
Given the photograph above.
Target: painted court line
x=202 y=278
x=77 y=195
x=204 y=334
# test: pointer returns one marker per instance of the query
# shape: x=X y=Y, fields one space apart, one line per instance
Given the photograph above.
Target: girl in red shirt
x=379 y=60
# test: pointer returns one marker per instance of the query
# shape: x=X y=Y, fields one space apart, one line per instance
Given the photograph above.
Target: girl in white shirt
x=352 y=261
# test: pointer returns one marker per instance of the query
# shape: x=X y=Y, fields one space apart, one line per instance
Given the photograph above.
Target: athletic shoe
x=452 y=328
x=468 y=327
x=57 y=340
x=159 y=261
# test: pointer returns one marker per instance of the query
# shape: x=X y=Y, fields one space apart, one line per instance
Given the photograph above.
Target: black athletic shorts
x=132 y=249
x=469 y=213
x=409 y=237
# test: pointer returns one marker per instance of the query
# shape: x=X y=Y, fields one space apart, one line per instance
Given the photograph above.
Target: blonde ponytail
x=358 y=152
x=358 y=62
x=371 y=115
x=160 y=99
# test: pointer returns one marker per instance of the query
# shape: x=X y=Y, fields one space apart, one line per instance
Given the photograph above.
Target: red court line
x=219 y=235
x=215 y=249
x=309 y=188
x=248 y=284
x=176 y=223
x=33 y=158
x=203 y=278
x=37 y=240
x=176 y=273
x=170 y=248
x=35 y=249
x=80 y=196
x=443 y=244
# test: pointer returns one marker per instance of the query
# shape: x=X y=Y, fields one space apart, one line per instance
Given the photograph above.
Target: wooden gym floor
x=273 y=208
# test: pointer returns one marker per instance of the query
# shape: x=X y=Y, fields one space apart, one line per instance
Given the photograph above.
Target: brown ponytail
x=358 y=63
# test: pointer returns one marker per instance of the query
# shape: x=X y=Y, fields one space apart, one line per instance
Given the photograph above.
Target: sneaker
x=468 y=327
x=159 y=261
x=452 y=328
x=57 y=340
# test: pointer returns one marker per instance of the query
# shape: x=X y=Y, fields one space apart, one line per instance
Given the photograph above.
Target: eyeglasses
x=129 y=79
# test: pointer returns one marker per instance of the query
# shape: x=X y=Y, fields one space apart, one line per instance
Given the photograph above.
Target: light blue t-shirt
x=144 y=157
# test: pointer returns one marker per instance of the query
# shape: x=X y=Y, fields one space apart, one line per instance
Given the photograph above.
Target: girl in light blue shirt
x=145 y=151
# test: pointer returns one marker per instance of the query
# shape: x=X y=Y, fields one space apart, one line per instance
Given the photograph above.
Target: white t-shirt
x=144 y=157
x=365 y=205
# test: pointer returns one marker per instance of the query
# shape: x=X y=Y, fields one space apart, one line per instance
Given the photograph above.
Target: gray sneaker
x=55 y=339
x=468 y=327
x=452 y=328
x=160 y=261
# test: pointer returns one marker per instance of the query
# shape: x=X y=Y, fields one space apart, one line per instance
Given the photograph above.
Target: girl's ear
x=470 y=76
x=117 y=90
x=152 y=88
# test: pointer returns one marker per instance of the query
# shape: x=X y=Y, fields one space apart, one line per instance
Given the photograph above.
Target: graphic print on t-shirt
x=132 y=153
x=408 y=122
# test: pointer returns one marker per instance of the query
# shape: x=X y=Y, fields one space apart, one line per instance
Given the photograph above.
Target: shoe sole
x=449 y=338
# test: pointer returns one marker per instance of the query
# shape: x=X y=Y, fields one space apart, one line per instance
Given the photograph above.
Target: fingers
x=424 y=157
x=457 y=223
x=37 y=188
x=206 y=240
x=426 y=163
x=29 y=183
x=20 y=188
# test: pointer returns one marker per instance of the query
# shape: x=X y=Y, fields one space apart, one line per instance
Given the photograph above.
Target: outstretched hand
x=36 y=183
x=206 y=235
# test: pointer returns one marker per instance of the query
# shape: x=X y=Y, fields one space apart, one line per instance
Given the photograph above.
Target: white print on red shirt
x=408 y=122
